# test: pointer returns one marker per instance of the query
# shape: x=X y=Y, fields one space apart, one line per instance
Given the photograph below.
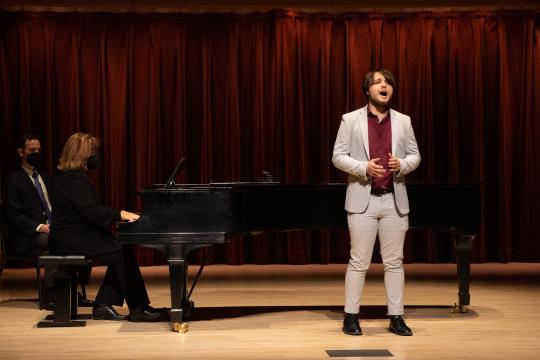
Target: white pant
x=382 y=218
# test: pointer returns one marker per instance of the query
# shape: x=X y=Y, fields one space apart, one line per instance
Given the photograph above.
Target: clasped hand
x=376 y=170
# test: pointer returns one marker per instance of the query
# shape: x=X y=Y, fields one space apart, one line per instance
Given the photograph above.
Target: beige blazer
x=351 y=154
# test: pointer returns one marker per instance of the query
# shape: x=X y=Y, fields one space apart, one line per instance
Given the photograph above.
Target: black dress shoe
x=83 y=301
x=351 y=326
x=398 y=326
x=161 y=310
x=106 y=312
x=142 y=315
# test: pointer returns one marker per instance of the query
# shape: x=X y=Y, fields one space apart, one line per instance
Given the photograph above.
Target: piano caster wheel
x=460 y=309
x=180 y=327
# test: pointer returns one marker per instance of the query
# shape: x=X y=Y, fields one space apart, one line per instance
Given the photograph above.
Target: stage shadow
x=334 y=312
x=20 y=303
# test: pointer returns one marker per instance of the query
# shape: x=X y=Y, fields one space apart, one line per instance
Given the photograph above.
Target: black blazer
x=24 y=211
x=81 y=225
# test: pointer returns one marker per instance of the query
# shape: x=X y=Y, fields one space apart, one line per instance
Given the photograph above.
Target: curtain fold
x=241 y=94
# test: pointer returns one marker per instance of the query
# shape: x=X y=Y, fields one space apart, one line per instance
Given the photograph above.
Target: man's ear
x=20 y=152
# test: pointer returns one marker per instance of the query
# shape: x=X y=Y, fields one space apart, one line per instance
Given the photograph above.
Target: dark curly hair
x=21 y=141
x=370 y=79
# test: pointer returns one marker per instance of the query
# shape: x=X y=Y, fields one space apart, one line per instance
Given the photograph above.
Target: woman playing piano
x=81 y=225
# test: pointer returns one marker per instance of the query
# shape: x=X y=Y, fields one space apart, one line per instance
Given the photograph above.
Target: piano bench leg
x=65 y=301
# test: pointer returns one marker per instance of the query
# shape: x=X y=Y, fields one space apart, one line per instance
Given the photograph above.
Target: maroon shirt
x=380 y=145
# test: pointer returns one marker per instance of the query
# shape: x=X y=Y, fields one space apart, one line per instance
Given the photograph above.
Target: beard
x=378 y=103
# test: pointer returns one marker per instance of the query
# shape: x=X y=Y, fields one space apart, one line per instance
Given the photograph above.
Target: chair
x=6 y=256
x=34 y=258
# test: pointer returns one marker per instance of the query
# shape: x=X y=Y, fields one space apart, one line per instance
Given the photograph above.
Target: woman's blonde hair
x=77 y=150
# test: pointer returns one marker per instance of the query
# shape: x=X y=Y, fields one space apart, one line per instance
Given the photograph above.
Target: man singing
x=376 y=146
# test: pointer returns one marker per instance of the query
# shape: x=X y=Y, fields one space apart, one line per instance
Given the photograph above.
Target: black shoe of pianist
x=161 y=310
x=142 y=315
x=106 y=312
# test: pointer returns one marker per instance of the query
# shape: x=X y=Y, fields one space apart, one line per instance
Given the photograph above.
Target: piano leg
x=463 y=248
x=177 y=276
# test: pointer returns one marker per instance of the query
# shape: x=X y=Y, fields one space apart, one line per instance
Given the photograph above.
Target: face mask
x=34 y=159
x=93 y=162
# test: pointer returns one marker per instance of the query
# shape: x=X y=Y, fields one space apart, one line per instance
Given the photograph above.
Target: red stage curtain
x=239 y=94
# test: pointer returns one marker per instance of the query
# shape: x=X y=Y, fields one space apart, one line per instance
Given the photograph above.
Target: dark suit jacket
x=81 y=225
x=24 y=211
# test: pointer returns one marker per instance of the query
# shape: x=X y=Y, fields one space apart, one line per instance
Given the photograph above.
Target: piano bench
x=64 y=272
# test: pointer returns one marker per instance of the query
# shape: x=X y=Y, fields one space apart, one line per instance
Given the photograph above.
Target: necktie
x=42 y=196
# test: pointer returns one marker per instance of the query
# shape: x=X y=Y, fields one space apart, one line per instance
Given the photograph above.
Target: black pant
x=40 y=247
x=123 y=280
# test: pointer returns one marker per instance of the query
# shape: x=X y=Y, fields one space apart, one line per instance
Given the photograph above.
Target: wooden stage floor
x=292 y=312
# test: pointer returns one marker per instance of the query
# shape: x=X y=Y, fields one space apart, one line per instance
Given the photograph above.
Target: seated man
x=28 y=211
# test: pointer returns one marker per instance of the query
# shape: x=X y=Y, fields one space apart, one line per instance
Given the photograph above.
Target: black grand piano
x=181 y=218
